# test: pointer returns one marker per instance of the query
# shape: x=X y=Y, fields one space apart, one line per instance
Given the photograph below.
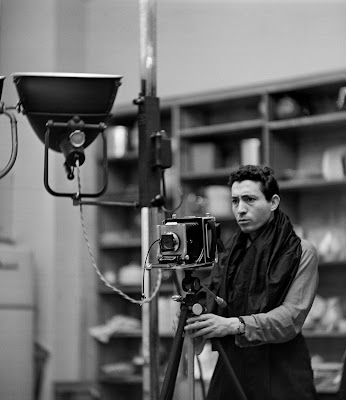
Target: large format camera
x=187 y=242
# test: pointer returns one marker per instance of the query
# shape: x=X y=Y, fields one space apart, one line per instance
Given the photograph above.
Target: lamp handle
x=73 y=195
x=14 y=135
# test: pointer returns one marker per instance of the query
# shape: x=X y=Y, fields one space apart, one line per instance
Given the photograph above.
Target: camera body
x=187 y=242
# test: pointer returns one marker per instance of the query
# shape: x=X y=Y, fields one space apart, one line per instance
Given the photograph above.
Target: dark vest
x=254 y=280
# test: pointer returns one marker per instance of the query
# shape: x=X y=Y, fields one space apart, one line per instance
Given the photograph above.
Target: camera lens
x=167 y=242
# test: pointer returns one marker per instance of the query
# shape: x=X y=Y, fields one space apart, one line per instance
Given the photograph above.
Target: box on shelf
x=203 y=157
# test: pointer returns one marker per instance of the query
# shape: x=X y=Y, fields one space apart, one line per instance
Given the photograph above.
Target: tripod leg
x=190 y=366
x=230 y=370
x=174 y=357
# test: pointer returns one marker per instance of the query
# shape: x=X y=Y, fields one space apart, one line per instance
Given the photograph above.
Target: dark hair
x=264 y=175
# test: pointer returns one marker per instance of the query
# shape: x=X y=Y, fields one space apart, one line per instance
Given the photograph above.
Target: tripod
x=190 y=305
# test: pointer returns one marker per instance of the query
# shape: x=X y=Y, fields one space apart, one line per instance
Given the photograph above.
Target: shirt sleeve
x=283 y=323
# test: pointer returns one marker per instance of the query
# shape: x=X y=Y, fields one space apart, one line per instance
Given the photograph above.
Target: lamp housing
x=61 y=96
x=67 y=111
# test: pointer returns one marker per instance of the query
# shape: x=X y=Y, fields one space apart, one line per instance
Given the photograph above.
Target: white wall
x=48 y=35
x=202 y=45
x=23 y=47
x=216 y=44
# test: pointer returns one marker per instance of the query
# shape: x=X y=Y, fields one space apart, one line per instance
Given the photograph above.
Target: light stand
x=67 y=112
x=149 y=215
x=79 y=104
x=62 y=107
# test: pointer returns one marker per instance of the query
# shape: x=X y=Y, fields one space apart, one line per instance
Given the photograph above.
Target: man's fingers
x=196 y=325
x=202 y=317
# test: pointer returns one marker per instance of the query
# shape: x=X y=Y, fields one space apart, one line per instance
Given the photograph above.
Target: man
x=268 y=276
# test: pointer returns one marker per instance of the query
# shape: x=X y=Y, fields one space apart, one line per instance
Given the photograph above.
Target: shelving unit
x=302 y=136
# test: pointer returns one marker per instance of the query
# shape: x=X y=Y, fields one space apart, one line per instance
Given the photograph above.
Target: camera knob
x=197 y=309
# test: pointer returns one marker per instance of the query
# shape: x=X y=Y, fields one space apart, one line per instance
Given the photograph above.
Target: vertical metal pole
x=147 y=31
x=149 y=216
x=150 y=336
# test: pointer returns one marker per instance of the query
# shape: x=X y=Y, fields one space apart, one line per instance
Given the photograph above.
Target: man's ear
x=275 y=201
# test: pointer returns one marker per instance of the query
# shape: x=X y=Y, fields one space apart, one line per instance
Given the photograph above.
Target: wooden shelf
x=222 y=129
x=122 y=379
x=332 y=119
x=286 y=185
x=138 y=335
x=311 y=184
x=217 y=174
x=127 y=335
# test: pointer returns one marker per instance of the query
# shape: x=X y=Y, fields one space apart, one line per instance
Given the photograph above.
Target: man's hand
x=211 y=325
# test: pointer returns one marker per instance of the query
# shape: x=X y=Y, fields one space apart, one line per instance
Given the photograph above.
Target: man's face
x=250 y=207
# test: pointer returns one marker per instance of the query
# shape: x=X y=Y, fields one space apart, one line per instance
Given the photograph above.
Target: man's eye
x=235 y=201
x=249 y=199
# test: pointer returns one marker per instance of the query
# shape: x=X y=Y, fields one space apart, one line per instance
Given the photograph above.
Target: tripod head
x=194 y=299
x=192 y=285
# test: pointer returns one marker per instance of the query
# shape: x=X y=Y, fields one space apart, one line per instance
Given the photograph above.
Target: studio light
x=67 y=112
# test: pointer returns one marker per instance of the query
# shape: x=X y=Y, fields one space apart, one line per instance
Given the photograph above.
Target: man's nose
x=242 y=207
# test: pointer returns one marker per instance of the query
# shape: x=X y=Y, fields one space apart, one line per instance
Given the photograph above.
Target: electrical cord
x=99 y=273
x=145 y=263
x=163 y=193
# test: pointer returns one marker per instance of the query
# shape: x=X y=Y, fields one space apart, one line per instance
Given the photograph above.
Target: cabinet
x=297 y=127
